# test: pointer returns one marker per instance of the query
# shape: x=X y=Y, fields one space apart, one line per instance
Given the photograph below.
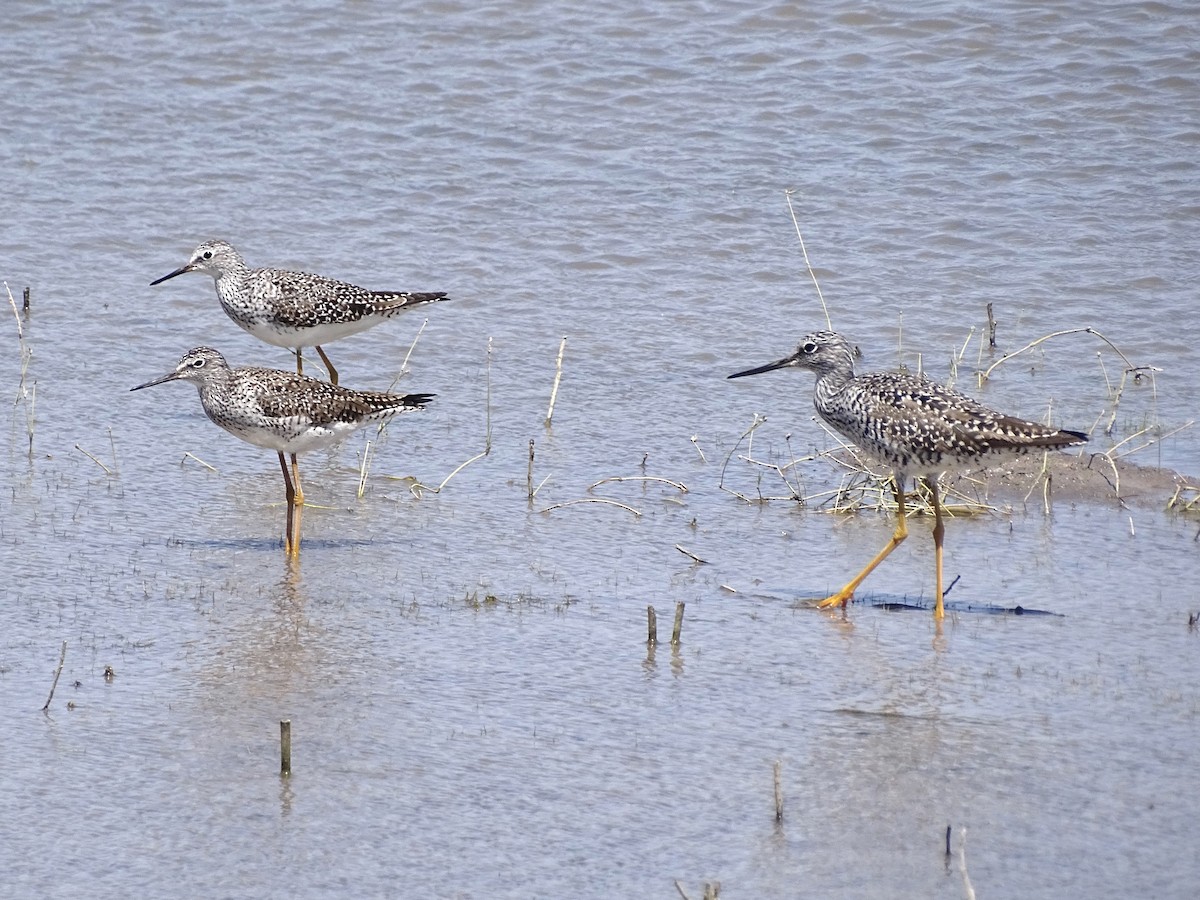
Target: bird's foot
x=841 y=598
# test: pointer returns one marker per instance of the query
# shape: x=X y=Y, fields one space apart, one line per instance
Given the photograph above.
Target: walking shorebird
x=287 y=413
x=912 y=425
x=294 y=309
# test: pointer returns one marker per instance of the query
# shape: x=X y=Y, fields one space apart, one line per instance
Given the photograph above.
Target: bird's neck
x=830 y=383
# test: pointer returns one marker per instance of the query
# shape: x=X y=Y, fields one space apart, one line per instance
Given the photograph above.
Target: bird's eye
x=208 y=254
x=809 y=347
x=197 y=364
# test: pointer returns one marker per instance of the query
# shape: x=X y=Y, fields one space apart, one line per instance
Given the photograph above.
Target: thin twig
x=487 y=437
x=16 y=315
x=186 y=454
x=362 y=470
x=813 y=275
x=983 y=376
x=557 y=378
x=417 y=487
x=529 y=473
x=107 y=470
x=412 y=347
x=593 y=500
x=688 y=553
x=62 y=658
x=675 y=484
x=694 y=437
x=778 y=793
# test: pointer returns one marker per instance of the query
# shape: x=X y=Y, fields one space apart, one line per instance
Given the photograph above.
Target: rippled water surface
x=475 y=712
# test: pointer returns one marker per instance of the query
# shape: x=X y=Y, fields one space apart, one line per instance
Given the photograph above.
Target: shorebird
x=280 y=411
x=912 y=425
x=294 y=309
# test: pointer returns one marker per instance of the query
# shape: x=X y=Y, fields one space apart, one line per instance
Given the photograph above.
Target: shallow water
x=474 y=709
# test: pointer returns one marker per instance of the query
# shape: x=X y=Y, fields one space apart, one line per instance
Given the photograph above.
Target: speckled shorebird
x=294 y=309
x=287 y=413
x=913 y=425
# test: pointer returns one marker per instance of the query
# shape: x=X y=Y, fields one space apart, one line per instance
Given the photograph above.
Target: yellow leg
x=298 y=505
x=332 y=371
x=299 y=360
x=939 y=531
x=845 y=594
x=289 y=492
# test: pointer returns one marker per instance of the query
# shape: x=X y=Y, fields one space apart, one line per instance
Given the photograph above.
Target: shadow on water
x=904 y=603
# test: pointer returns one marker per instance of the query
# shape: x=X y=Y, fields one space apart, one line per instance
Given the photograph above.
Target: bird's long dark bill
x=769 y=367
x=171 y=377
x=178 y=271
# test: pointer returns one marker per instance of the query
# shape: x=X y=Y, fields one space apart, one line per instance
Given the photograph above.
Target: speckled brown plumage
x=294 y=309
x=912 y=425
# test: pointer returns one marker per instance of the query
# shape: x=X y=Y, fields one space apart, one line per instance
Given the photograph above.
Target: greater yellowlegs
x=280 y=411
x=913 y=425
x=294 y=309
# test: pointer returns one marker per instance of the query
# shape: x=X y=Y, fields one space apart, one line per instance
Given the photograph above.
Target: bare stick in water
x=678 y=623
x=208 y=466
x=487 y=435
x=678 y=485
x=688 y=553
x=778 y=793
x=593 y=500
x=529 y=473
x=651 y=626
x=107 y=470
x=991 y=329
x=25 y=304
x=557 y=378
x=62 y=658
x=285 y=747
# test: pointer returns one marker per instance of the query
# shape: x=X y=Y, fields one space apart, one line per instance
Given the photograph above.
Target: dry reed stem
x=417 y=487
x=778 y=793
x=487 y=432
x=983 y=376
x=412 y=347
x=593 y=500
x=808 y=265
x=682 y=488
x=208 y=466
x=62 y=658
x=107 y=470
x=562 y=347
x=362 y=469
x=16 y=315
x=1177 y=497
x=694 y=440
x=529 y=473
x=1157 y=440
x=691 y=555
